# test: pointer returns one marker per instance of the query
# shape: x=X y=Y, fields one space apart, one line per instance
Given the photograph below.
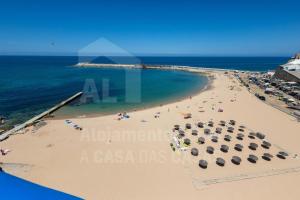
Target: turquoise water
x=154 y=88
x=30 y=85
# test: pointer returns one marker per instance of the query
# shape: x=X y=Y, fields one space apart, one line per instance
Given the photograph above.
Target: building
x=289 y=71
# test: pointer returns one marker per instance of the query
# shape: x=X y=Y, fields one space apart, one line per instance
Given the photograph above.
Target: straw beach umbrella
x=187 y=141
x=194 y=151
x=242 y=126
x=232 y=122
x=181 y=134
x=194 y=132
x=222 y=123
x=230 y=129
x=253 y=146
x=251 y=135
x=201 y=140
x=252 y=158
x=176 y=127
x=210 y=150
x=211 y=123
x=260 y=135
x=267 y=156
x=220 y=162
x=219 y=130
x=238 y=147
x=200 y=124
x=227 y=138
x=207 y=131
x=214 y=138
x=188 y=126
x=236 y=160
x=240 y=136
x=203 y=164
x=282 y=155
x=266 y=144
x=224 y=148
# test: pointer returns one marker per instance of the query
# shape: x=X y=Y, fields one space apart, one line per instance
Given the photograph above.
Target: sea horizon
x=149 y=99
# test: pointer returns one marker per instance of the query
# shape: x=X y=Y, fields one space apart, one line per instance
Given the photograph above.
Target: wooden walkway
x=15 y=130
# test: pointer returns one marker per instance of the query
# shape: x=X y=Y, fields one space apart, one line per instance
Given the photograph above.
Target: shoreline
x=207 y=87
x=187 y=69
x=98 y=155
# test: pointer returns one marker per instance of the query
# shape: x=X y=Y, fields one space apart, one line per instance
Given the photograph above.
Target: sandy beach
x=132 y=158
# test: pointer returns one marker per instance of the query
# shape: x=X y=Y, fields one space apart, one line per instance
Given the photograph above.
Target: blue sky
x=156 y=27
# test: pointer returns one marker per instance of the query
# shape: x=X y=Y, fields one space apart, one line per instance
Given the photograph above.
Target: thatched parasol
x=230 y=129
x=188 y=126
x=222 y=123
x=242 y=126
x=206 y=131
x=266 y=144
x=181 y=134
x=232 y=122
x=210 y=150
x=200 y=124
x=240 y=136
x=201 y=140
x=227 y=138
x=220 y=162
x=194 y=151
x=219 y=130
x=203 y=164
x=214 y=138
x=267 y=156
x=253 y=146
x=251 y=135
x=252 y=158
x=236 y=160
x=194 y=132
x=224 y=148
x=282 y=155
x=238 y=147
x=260 y=135
x=187 y=141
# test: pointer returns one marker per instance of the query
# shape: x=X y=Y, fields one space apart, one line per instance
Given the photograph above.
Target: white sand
x=130 y=159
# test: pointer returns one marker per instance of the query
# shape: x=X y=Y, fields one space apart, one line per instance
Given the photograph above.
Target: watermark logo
x=104 y=53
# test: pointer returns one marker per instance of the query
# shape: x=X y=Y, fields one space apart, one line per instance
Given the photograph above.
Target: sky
x=152 y=27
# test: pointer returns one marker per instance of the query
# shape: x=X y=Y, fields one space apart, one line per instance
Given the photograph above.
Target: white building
x=289 y=71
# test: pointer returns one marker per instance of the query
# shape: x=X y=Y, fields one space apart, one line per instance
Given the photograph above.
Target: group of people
x=123 y=115
x=69 y=122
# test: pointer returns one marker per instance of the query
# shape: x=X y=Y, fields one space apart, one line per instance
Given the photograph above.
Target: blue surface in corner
x=13 y=188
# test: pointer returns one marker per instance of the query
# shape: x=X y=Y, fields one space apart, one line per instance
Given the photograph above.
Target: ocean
x=31 y=84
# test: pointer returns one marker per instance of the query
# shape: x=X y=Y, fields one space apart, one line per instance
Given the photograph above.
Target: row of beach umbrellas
x=237 y=160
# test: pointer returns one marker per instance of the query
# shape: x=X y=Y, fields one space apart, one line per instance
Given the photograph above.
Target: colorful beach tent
x=13 y=188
